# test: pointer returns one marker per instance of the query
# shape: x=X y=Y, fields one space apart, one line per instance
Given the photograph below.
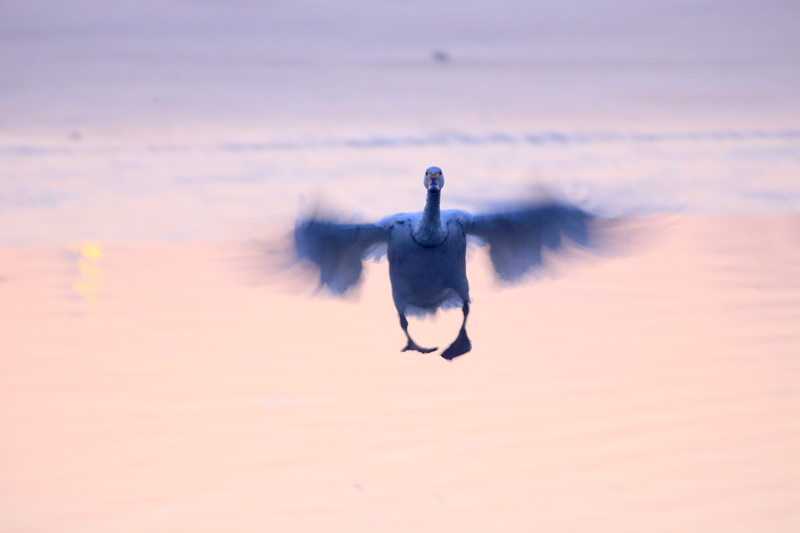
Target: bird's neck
x=429 y=231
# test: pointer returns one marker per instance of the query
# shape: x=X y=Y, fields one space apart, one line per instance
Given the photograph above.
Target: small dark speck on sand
x=440 y=56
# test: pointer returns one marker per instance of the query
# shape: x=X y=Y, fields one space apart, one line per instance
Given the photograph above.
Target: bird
x=427 y=251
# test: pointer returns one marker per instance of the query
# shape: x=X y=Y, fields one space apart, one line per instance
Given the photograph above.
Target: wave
x=439 y=139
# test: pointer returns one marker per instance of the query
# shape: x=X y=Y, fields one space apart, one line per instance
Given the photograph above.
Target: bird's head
x=434 y=179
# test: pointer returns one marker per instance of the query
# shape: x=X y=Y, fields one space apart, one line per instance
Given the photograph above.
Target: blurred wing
x=337 y=249
x=517 y=237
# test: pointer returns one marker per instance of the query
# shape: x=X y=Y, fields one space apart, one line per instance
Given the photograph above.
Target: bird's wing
x=337 y=249
x=516 y=237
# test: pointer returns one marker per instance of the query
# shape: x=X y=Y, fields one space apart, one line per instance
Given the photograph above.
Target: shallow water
x=153 y=377
x=655 y=392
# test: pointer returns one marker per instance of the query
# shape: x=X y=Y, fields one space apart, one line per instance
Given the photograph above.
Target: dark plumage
x=427 y=251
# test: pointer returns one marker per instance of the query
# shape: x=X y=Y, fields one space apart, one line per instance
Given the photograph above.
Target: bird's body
x=427 y=277
x=427 y=251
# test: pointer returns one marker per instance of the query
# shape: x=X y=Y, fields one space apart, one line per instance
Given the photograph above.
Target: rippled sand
x=148 y=387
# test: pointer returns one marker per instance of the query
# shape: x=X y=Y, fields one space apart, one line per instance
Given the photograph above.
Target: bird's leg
x=462 y=344
x=411 y=344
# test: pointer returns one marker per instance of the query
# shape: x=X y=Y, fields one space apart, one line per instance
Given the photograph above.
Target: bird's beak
x=434 y=187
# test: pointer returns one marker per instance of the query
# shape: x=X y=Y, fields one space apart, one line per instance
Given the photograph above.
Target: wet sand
x=149 y=387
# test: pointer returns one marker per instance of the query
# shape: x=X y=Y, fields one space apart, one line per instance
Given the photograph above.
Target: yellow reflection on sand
x=91 y=275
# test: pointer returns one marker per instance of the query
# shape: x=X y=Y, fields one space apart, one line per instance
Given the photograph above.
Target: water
x=147 y=383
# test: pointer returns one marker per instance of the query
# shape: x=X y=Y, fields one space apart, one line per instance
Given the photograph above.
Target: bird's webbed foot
x=459 y=347
x=413 y=346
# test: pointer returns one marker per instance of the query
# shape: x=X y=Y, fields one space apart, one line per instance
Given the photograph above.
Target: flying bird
x=427 y=251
